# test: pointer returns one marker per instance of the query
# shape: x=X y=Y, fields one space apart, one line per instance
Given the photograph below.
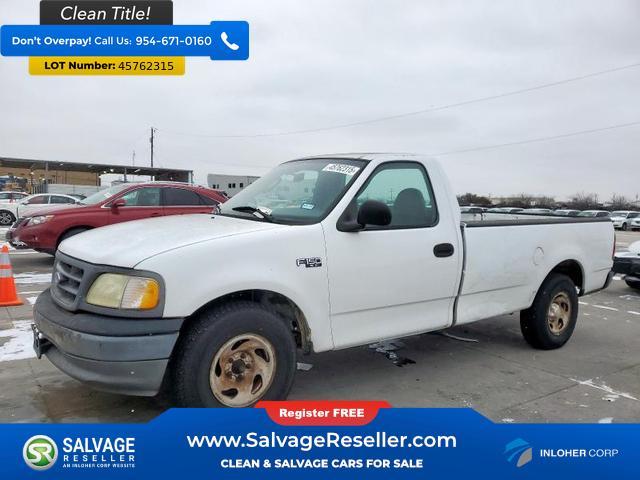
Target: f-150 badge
x=312 y=262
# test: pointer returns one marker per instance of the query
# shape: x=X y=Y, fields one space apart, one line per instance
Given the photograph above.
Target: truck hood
x=129 y=243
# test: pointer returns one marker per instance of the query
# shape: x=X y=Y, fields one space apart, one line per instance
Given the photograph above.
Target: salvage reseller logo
x=40 y=452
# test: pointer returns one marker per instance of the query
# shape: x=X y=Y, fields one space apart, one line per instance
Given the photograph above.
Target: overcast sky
x=317 y=63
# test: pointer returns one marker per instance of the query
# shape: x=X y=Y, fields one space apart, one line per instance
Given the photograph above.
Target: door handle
x=443 y=250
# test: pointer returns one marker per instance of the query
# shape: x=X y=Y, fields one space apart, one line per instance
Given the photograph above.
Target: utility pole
x=151 y=140
x=133 y=158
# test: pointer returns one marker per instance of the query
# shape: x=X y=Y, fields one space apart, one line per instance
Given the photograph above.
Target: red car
x=120 y=203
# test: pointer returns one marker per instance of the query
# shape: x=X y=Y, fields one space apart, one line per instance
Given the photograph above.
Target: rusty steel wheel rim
x=559 y=314
x=242 y=370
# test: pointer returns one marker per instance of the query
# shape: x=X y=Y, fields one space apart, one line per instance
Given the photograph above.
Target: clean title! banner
x=56 y=12
x=220 y=40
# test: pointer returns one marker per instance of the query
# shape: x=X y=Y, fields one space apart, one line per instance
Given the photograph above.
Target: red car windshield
x=104 y=194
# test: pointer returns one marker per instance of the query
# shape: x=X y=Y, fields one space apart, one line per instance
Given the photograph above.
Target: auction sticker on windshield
x=341 y=168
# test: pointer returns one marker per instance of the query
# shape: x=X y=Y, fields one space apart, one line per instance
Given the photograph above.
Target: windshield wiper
x=258 y=212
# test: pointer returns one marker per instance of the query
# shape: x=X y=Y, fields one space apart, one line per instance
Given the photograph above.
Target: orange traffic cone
x=8 y=294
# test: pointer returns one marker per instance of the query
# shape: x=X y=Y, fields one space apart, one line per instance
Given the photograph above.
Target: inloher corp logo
x=40 y=452
x=518 y=451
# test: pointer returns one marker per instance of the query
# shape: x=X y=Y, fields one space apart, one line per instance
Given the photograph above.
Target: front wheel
x=550 y=321
x=233 y=356
x=625 y=227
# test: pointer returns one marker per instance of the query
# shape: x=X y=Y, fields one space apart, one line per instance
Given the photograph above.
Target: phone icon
x=225 y=39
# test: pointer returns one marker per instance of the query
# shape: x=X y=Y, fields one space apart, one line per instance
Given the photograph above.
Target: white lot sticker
x=307 y=206
x=19 y=344
x=341 y=168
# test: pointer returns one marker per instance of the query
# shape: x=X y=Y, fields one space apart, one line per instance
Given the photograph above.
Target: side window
x=180 y=196
x=204 y=200
x=405 y=188
x=39 y=200
x=143 y=197
x=60 y=199
x=5 y=196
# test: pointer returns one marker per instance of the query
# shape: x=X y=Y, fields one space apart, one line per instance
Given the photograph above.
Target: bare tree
x=620 y=202
x=546 y=202
x=473 y=199
x=584 y=201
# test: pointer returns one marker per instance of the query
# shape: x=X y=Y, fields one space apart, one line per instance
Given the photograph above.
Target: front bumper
x=120 y=355
x=13 y=241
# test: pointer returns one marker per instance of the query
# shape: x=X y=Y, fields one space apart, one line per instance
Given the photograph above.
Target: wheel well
x=84 y=227
x=573 y=270
x=280 y=304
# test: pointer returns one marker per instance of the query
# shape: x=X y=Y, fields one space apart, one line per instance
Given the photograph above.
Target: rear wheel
x=233 y=356
x=550 y=321
x=633 y=282
x=6 y=218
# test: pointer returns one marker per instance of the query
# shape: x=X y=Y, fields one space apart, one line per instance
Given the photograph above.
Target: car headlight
x=40 y=219
x=114 y=290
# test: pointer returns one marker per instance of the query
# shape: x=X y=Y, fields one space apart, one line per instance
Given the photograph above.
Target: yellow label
x=106 y=65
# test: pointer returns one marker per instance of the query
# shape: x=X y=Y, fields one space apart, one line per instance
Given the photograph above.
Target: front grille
x=70 y=277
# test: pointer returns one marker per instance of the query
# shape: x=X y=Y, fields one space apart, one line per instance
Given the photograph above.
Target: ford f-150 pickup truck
x=321 y=253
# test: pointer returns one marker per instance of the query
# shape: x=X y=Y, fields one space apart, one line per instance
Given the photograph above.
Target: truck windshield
x=104 y=194
x=300 y=192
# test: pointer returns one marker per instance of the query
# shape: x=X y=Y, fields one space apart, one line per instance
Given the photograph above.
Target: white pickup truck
x=321 y=253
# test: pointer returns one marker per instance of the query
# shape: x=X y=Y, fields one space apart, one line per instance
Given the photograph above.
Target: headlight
x=40 y=219
x=114 y=290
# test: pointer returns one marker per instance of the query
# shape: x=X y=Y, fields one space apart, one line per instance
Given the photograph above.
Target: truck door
x=400 y=279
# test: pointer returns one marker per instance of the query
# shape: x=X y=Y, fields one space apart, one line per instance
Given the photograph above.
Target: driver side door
x=393 y=281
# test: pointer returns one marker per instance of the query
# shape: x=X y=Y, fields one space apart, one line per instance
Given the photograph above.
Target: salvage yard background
x=487 y=366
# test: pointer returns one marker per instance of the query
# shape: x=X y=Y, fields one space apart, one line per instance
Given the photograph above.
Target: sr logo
x=312 y=262
x=40 y=452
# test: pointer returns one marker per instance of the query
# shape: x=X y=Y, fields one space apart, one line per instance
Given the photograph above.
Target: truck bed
x=506 y=259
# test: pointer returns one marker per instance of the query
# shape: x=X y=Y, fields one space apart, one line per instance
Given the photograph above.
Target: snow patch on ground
x=20 y=343
x=612 y=395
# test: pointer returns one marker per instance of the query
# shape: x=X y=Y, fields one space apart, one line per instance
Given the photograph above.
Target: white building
x=231 y=184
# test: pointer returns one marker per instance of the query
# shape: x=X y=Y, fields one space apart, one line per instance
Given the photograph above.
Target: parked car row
x=42 y=226
x=622 y=219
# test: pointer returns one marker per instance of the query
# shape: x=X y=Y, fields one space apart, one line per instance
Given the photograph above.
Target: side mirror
x=121 y=202
x=370 y=212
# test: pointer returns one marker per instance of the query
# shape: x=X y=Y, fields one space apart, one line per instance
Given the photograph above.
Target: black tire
x=625 y=227
x=205 y=338
x=7 y=218
x=633 y=282
x=535 y=322
x=71 y=233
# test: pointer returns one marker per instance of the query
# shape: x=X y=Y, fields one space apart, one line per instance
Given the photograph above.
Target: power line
x=538 y=139
x=416 y=112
